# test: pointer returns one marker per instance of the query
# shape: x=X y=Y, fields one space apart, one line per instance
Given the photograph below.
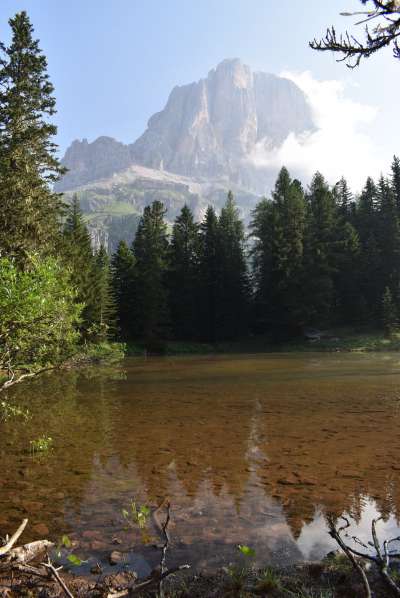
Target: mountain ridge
x=206 y=133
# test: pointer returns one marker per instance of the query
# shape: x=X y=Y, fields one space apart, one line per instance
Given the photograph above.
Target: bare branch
x=7 y=547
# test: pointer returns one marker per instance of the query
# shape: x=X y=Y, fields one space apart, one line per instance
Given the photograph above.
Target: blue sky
x=114 y=62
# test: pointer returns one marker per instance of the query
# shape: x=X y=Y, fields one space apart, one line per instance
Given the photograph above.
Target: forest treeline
x=310 y=257
x=314 y=257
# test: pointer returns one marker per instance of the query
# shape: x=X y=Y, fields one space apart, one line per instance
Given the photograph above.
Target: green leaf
x=65 y=541
x=125 y=513
x=246 y=550
x=75 y=560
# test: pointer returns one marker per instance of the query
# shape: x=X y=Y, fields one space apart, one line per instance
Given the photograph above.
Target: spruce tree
x=103 y=325
x=278 y=229
x=233 y=282
x=369 y=265
x=183 y=275
x=29 y=209
x=150 y=248
x=209 y=276
x=123 y=272
x=388 y=235
x=319 y=253
x=343 y=197
x=395 y=181
x=261 y=231
x=389 y=313
x=79 y=258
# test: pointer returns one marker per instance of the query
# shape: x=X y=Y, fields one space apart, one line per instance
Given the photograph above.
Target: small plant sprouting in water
x=8 y=411
x=66 y=543
x=43 y=444
x=136 y=515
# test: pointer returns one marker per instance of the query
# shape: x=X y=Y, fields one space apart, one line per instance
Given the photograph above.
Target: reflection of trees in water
x=213 y=445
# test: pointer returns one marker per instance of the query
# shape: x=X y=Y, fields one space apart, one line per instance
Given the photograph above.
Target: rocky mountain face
x=211 y=127
x=193 y=151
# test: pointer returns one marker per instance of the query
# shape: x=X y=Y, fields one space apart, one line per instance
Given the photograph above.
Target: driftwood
x=18 y=559
x=10 y=542
x=381 y=559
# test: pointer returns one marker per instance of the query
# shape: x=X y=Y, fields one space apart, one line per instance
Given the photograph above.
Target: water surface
x=249 y=449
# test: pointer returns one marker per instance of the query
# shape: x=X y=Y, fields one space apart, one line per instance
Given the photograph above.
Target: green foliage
x=43 y=444
x=150 y=249
x=246 y=550
x=29 y=209
x=183 y=275
x=38 y=314
x=103 y=314
x=9 y=411
x=267 y=581
x=123 y=272
x=389 y=313
x=80 y=260
x=136 y=514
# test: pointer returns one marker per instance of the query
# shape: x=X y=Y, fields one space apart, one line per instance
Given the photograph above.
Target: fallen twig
x=133 y=590
x=53 y=571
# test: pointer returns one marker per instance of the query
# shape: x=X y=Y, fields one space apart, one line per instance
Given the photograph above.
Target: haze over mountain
x=199 y=146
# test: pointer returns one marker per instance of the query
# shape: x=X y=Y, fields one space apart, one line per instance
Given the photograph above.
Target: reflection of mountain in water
x=248 y=450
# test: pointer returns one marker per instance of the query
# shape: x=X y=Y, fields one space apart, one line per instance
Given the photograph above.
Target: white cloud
x=341 y=145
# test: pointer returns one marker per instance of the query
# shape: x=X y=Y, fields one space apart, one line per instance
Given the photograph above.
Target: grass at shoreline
x=337 y=340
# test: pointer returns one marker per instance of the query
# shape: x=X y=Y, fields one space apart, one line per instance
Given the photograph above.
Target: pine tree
x=150 y=248
x=209 y=276
x=261 y=231
x=319 y=253
x=395 y=181
x=233 y=282
x=388 y=235
x=123 y=273
x=278 y=228
x=183 y=275
x=104 y=312
x=343 y=197
x=389 y=313
x=79 y=258
x=29 y=209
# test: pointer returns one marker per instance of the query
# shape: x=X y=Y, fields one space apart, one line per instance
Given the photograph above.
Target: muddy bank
x=333 y=577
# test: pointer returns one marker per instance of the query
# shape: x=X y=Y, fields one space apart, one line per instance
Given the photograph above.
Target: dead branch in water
x=162 y=572
x=381 y=558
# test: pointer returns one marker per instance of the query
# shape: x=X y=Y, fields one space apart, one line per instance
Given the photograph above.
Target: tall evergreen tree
x=79 y=257
x=150 y=249
x=123 y=273
x=344 y=198
x=388 y=236
x=319 y=259
x=395 y=181
x=209 y=276
x=261 y=230
x=278 y=228
x=29 y=209
x=183 y=275
x=389 y=313
x=233 y=282
x=369 y=265
x=104 y=310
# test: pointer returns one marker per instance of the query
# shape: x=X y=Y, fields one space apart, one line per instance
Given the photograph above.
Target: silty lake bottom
x=249 y=449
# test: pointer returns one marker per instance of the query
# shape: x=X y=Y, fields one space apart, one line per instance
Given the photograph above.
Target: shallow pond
x=249 y=449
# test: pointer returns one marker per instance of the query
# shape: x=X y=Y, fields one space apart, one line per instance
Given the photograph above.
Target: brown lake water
x=249 y=449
